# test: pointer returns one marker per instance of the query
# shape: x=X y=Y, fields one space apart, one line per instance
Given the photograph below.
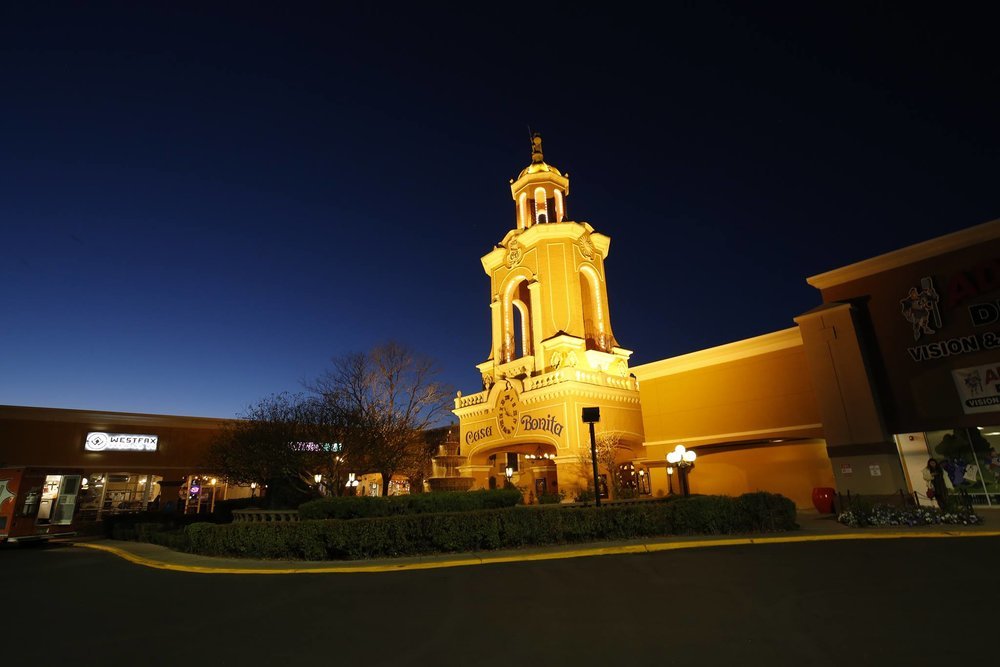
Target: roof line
x=964 y=238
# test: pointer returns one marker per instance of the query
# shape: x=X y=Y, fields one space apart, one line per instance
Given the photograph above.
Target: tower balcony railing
x=471 y=399
x=522 y=366
x=580 y=375
x=557 y=376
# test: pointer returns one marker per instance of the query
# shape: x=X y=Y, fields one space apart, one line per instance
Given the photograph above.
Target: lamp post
x=670 y=479
x=352 y=483
x=318 y=478
x=592 y=416
x=508 y=472
x=683 y=459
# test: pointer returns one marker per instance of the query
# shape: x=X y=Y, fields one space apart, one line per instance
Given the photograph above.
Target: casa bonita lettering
x=548 y=423
x=988 y=340
x=476 y=436
x=528 y=423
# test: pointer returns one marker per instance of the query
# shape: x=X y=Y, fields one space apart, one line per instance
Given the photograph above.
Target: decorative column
x=497 y=337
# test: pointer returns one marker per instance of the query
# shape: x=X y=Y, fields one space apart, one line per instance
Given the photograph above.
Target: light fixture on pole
x=683 y=459
x=592 y=416
x=317 y=478
x=352 y=482
x=508 y=473
x=670 y=478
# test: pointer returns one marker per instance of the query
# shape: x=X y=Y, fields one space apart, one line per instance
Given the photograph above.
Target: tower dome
x=540 y=190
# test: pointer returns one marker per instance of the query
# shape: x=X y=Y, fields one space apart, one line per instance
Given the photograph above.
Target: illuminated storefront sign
x=329 y=447
x=120 y=442
x=979 y=388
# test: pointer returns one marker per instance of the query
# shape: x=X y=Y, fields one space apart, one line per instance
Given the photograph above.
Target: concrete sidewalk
x=814 y=527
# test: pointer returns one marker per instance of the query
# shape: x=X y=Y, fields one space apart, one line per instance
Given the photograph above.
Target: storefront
x=916 y=334
x=126 y=462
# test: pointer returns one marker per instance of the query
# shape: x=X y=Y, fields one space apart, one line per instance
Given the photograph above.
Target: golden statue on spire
x=536 y=148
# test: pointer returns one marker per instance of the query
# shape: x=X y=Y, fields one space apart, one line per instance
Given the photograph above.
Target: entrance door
x=58 y=500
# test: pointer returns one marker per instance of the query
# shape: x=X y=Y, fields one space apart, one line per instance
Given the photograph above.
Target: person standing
x=937 y=482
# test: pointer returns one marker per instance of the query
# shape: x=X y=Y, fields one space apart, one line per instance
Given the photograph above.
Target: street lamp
x=508 y=473
x=683 y=459
x=670 y=479
x=591 y=416
x=352 y=482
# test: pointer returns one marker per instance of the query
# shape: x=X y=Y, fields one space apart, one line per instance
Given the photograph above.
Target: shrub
x=551 y=498
x=421 y=532
x=124 y=526
x=356 y=507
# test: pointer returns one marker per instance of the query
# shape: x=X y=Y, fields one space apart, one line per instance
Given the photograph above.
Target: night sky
x=200 y=205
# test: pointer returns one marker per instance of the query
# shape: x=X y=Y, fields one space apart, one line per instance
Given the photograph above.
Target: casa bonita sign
x=527 y=423
x=120 y=442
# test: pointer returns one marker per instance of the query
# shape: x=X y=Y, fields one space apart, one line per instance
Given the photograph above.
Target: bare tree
x=611 y=449
x=273 y=443
x=384 y=398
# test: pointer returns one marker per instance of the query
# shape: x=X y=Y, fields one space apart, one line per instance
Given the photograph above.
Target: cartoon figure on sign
x=973 y=382
x=5 y=493
x=920 y=308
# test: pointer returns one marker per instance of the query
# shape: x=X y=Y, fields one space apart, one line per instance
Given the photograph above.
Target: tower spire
x=536 y=148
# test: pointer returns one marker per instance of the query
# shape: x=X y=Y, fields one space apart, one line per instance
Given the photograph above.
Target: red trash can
x=823 y=497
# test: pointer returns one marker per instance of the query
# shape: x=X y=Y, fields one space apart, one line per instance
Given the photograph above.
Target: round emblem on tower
x=586 y=246
x=514 y=253
x=508 y=409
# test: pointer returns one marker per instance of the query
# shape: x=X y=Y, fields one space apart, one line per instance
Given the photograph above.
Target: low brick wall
x=264 y=516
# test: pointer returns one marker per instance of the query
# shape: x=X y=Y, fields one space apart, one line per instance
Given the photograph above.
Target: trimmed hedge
x=125 y=526
x=412 y=534
x=358 y=507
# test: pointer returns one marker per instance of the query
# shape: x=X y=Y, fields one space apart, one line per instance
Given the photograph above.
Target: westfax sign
x=120 y=442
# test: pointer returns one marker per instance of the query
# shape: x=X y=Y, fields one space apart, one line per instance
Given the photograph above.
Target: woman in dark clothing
x=937 y=481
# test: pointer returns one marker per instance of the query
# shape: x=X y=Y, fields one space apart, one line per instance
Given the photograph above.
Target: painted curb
x=518 y=558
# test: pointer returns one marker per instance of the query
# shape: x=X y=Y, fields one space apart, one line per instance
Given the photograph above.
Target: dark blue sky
x=200 y=205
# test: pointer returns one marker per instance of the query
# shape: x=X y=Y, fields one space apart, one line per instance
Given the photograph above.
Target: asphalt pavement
x=859 y=602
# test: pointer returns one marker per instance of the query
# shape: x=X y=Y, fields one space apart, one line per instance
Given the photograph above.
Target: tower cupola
x=540 y=190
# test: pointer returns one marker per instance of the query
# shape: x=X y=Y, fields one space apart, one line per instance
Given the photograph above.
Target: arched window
x=522 y=342
x=516 y=320
x=522 y=210
x=541 y=207
x=594 y=325
x=560 y=211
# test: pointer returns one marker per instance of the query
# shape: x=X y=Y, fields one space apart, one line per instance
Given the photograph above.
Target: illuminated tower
x=553 y=350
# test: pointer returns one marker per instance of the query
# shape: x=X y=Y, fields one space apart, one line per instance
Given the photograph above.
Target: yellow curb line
x=517 y=558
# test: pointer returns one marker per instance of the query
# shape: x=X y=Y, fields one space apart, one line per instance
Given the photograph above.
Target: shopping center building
x=127 y=462
x=899 y=361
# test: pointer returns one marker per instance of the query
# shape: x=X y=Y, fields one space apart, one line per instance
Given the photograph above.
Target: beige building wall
x=748 y=409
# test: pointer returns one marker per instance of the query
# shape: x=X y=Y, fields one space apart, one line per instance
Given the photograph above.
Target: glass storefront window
x=970 y=458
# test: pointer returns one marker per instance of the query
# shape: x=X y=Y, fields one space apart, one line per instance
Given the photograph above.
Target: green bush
x=124 y=526
x=421 y=533
x=357 y=507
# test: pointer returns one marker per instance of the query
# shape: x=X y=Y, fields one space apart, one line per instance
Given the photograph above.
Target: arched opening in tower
x=594 y=327
x=516 y=320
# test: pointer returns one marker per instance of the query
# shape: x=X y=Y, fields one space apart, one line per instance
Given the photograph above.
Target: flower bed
x=863 y=516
